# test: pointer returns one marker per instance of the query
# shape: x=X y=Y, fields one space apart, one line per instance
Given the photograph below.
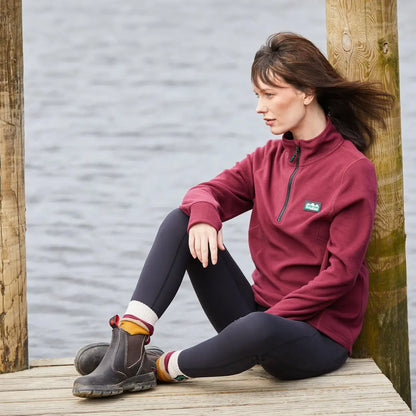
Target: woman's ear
x=309 y=96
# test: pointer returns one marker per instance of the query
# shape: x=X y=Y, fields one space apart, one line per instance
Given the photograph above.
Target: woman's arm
x=224 y=197
x=210 y=203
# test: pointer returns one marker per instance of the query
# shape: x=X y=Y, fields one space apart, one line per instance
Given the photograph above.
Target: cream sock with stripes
x=168 y=368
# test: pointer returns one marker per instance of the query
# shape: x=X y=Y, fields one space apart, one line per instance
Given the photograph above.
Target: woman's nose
x=260 y=109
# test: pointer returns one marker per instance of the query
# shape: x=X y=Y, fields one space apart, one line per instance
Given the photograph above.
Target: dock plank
x=358 y=388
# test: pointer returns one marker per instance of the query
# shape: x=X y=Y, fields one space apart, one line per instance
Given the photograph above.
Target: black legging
x=247 y=335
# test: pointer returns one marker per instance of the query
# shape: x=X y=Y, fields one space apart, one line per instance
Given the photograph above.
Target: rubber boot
x=124 y=367
x=88 y=357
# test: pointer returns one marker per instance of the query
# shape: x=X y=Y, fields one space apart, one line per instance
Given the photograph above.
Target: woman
x=313 y=200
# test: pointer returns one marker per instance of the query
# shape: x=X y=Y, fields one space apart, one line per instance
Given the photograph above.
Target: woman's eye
x=266 y=94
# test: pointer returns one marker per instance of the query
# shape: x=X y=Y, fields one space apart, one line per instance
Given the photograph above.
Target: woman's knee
x=261 y=327
x=175 y=221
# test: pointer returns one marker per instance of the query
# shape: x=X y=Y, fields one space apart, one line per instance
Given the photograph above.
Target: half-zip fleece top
x=313 y=205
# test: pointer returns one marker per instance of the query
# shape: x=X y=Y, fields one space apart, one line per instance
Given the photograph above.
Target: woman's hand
x=204 y=239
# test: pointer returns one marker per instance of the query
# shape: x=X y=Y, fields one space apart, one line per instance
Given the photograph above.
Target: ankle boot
x=124 y=367
x=88 y=357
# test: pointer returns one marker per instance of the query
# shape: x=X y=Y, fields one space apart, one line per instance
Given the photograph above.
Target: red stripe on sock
x=166 y=360
x=149 y=327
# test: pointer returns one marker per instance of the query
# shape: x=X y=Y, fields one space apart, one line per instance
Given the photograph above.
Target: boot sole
x=136 y=383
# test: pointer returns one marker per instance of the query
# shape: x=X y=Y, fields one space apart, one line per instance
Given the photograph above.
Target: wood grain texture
x=362 y=45
x=13 y=308
x=358 y=388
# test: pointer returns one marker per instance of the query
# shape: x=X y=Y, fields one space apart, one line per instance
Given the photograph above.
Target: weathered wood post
x=362 y=44
x=13 y=309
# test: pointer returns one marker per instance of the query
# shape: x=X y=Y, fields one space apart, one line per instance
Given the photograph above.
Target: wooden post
x=362 y=45
x=13 y=308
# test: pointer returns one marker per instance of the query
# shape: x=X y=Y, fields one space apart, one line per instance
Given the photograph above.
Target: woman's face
x=283 y=107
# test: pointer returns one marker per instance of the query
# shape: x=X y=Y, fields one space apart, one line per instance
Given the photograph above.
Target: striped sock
x=133 y=328
x=141 y=315
x=168 y=367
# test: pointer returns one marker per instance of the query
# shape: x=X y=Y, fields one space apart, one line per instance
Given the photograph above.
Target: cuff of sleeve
x=204 y=212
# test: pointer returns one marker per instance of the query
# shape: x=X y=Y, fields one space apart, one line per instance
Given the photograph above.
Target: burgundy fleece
x=310 y=262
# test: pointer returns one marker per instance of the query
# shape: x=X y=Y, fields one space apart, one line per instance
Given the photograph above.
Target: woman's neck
x=313 y=124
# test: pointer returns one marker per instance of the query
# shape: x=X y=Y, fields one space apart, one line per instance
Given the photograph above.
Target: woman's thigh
x=222 y=289
x=298 y=350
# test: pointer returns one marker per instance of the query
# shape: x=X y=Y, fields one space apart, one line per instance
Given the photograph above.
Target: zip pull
x=295 y=154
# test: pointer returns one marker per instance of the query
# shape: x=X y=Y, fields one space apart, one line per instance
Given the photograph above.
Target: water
x=127 y=105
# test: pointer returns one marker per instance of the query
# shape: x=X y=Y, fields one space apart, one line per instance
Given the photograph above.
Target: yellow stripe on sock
x=162 y=374
x=132 y=328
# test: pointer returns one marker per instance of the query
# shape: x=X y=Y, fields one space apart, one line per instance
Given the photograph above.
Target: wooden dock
x=358 y=388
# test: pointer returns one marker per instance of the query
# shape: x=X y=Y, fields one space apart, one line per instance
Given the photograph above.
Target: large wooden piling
x=13 y=309
x=362 y=44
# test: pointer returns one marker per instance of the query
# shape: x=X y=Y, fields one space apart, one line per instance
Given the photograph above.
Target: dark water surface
x=127 y=105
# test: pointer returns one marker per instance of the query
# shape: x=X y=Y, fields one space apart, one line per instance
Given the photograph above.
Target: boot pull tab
x=114 y=321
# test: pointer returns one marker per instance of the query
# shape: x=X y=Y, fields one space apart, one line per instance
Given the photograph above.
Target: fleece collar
x=315 y=149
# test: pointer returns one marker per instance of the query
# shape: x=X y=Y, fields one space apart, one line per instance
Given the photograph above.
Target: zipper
x=296 y=156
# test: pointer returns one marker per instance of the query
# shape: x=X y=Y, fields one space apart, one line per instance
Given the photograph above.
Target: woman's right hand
x=204 y=240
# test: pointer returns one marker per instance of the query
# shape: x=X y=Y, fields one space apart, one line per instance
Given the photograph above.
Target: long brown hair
x=351 y=105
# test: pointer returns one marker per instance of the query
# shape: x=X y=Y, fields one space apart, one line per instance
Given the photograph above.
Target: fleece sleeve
x=354 y=207
x=222 y=198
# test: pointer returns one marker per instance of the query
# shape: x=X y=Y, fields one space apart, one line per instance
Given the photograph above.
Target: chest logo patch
x=312 y=206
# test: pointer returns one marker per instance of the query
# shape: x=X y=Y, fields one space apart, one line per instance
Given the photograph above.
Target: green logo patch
x=312 y=206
